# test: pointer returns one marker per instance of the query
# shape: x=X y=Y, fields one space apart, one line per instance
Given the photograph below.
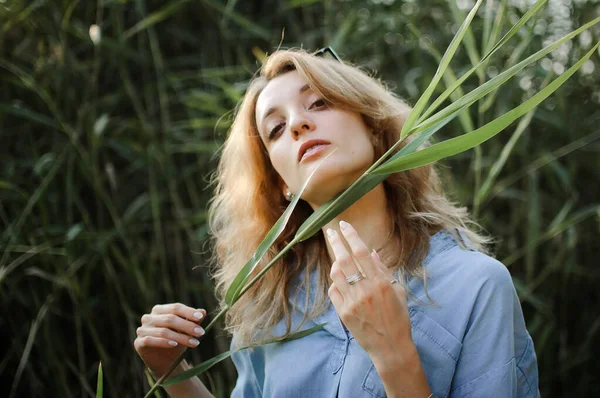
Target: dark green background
x=106 y=152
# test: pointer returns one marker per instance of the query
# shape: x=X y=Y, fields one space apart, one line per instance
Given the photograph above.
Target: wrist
x=402 y=373
x=181 y=367
x=404 y=359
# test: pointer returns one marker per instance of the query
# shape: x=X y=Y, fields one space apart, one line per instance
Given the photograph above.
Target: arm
x=375 y=311
x=497 y=356
x=403 y=375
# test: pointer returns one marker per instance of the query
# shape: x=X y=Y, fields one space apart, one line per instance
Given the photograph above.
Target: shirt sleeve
x=497 y=357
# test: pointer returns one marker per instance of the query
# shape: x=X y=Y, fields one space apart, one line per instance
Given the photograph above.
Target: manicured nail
x=330 y=232
x=194 y=342
x=344 y=225
x=198 y=315
x=173 y=343
x=199 y=331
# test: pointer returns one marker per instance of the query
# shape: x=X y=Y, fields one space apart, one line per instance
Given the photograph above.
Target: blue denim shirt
x=473 y=343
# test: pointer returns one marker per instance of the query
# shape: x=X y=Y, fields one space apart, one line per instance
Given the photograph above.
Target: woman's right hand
x=166 y=332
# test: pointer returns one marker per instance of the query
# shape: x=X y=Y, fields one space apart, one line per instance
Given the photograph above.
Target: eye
x=319 y=103
x=274 y=130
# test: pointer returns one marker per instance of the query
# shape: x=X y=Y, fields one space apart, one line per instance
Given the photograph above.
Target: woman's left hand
x=374 y=309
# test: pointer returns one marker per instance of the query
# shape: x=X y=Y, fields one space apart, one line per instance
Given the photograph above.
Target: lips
x=309 y=144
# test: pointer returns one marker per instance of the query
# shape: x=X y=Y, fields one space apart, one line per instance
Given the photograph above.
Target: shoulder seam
x=442 y=250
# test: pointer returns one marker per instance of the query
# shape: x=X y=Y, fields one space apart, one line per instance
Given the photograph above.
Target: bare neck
x=369 y=217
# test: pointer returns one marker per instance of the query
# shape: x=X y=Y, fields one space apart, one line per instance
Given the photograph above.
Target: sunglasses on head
x=327 y=50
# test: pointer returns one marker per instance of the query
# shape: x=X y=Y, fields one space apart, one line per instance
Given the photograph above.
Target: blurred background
x=112 y=113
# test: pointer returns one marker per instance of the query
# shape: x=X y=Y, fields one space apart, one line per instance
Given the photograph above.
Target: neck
x=369 y=217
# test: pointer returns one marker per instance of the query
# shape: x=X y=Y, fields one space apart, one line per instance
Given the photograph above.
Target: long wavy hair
x=248 y=201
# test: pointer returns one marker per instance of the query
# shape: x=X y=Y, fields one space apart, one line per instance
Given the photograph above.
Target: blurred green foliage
x=111 y=116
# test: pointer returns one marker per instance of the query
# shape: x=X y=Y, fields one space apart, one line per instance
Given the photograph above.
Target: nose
x=301 y=124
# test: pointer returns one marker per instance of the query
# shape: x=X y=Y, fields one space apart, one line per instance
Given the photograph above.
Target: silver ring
x=352 y=279
x=394 y=281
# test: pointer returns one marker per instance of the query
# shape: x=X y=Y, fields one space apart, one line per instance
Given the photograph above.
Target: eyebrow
x=272 y=109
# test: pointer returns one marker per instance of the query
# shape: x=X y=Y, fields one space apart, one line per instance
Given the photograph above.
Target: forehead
x=279 y=90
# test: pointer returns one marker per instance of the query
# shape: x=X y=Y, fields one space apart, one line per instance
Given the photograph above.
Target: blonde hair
x=248 y=201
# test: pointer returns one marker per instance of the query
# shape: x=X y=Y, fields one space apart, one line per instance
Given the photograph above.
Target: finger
x=382 y=267
x=153 y=342
x=184 y=311
x=172 y=338
x=342 y=256
x=339 y=279
x=173 y=322
x=359 y=250
x=337 y=299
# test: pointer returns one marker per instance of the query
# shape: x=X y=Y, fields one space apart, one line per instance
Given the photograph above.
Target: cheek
x=280 y=162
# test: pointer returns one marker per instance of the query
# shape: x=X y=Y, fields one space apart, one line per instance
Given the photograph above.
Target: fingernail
x=198 y=315
x=173 y=343
x=199 y=331
x=194 y=342
x=330 y=232
x=344 y=225
x=375 y=255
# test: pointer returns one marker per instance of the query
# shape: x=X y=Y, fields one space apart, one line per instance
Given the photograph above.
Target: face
x=299 y=129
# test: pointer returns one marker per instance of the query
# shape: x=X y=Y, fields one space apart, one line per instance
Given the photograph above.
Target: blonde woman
x=412 y=305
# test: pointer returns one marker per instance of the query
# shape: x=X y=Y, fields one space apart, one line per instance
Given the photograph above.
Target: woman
x=453 y=326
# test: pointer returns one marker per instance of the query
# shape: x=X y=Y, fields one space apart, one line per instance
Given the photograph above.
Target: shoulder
x=463 y=285
x=458 y=268
x=475 y=323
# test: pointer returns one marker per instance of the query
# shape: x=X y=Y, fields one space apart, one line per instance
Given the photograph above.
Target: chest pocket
x=438 y=351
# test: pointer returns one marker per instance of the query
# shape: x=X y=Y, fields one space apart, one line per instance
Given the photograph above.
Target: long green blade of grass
x=493 y=84
x=543 y=161
x=483 y=192
x=497 y=27
x=514 y=29
x=233 y=292
x=469 y=39
x=467 y=141
x=154 y=18
x=248 y=25
x=576 y=218
x=100 y=385
x=240 y=280
x=423 y=99
x=204 y=366
x=364 y=184
x=449 y=79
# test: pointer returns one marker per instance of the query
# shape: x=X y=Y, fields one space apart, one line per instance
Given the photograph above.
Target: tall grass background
x=111 y=117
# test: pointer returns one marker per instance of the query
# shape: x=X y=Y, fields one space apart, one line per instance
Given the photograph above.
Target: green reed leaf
x=449 y=79
x=154 y=18
x=467 y=141
x=544 y=160
x=100 y=384
x=204 y=366
x=515 y=28
x=496 y=82
x=364 y=184
x=242 y=277
x=250 y=27
x=29 y=115
x=422 y=102
x=574 y=219
x=500 y=161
